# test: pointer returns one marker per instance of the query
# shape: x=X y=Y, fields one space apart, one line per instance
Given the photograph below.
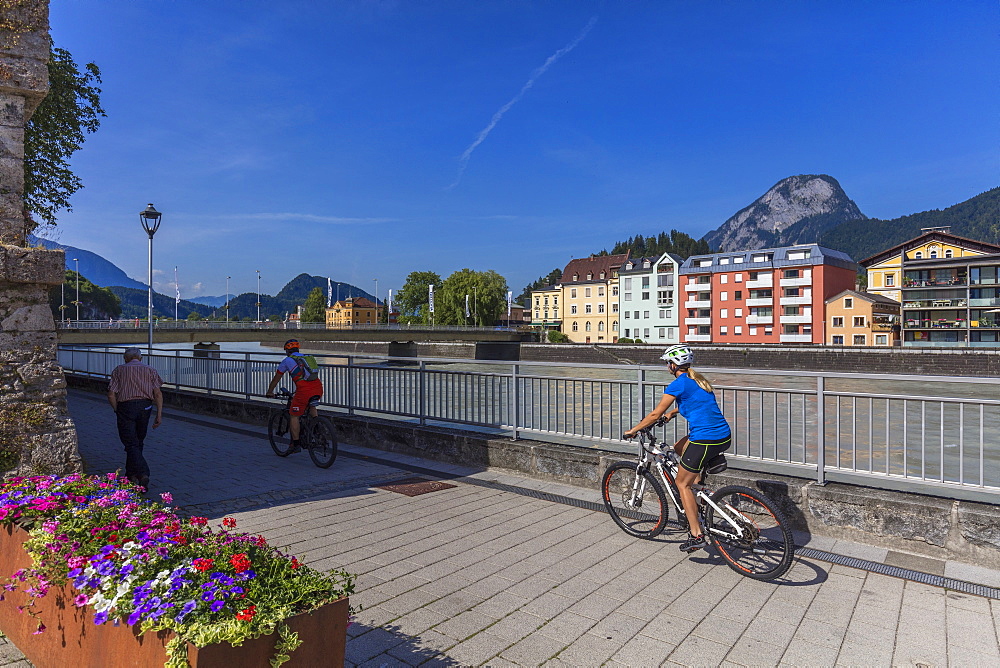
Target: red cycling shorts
x=307 y=393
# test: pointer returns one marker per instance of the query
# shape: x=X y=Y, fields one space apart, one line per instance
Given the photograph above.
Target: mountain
x=976 y=218
x=798 y=209
x=210 y=301
x=98 y=270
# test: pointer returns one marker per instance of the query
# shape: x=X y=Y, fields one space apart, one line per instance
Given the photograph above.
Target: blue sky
x=365 y=140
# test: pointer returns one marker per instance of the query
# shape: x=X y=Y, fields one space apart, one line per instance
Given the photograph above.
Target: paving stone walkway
x=481 y=575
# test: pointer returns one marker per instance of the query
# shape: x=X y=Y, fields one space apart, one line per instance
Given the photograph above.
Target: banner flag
x=329 y=292
x=510 y=298
x=466 y=307
x=177 y=289
x=430 y=298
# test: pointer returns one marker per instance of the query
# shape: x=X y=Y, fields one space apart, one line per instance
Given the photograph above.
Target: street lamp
x=150 y=219
x=227 y=299
x=77 y=302
x=258 y=296
x=376 y=301
x=475 y=305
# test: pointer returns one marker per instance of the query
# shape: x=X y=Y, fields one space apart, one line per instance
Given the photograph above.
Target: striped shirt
x=134 y=380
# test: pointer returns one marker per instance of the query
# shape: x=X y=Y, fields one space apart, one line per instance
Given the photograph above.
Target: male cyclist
x=708 y=436
x=308 y=387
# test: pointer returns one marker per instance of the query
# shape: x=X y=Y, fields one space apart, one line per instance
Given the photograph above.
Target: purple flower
x=80 y=600
x=100 y=617
x=218 y=605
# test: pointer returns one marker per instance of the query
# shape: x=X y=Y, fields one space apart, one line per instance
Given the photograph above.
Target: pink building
x=774 y=295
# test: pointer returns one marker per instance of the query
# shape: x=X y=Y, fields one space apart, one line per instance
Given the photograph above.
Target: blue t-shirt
x=699 y=408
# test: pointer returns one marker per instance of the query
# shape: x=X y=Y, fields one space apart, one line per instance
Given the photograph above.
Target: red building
x=774 y=295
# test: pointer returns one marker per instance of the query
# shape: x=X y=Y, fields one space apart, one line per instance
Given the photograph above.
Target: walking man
x=134 y=389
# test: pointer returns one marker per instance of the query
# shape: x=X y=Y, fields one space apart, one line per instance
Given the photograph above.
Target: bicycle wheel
x=277 y=427
x=322 y=442
x=639 y=512
x=765 y=549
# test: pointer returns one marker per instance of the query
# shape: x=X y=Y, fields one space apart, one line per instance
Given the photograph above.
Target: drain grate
x=415 y=486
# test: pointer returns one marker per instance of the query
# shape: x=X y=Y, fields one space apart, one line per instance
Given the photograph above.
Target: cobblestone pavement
x=481 y=575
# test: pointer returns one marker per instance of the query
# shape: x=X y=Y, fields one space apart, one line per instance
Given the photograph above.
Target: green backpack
x=307 y=368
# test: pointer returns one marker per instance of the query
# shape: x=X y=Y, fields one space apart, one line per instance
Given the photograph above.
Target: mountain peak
x=796 y=209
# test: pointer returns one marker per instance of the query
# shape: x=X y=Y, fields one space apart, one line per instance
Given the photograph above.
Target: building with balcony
x=353 y=311
x=589 y=296
x=885 y=269
x=647 y=299
x=774 y=295
x=862 y=319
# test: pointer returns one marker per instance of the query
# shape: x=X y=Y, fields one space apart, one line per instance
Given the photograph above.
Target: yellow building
x=353 y=311
x=590 y=298
x=545 y=308
x=885 y=269
x=862 y=319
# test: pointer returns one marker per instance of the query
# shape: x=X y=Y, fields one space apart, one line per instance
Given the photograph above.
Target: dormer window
x=590 y=275
x=576 y=277
x=645 y=265
x=629 y=266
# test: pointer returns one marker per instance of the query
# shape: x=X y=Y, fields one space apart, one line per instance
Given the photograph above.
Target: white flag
x=466 y=307
x=388 y=303
x=510 y=297
x=177 y=289
x=430 y=298
x=329 y=292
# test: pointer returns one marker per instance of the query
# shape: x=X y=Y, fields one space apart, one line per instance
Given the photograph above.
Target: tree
x=193 y=315
x=551 y=278
x=412 y=298
x=315 y=307
x=55 y=132
x=96 y=303
x=487 y=294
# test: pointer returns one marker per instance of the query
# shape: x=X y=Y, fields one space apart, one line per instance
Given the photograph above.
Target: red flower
x=240 y=562
x=295 y=563
x=113 y=538
x=198 y=521
x=247 y=614
x=203 y=564
x=228 y=522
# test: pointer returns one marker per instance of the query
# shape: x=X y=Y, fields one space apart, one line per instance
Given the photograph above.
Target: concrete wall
x=926 y=525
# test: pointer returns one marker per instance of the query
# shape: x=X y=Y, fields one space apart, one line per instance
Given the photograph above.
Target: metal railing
x=136 y=324
x=939 y=435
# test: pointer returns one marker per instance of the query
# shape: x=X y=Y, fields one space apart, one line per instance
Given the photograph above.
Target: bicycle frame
x=666 y=463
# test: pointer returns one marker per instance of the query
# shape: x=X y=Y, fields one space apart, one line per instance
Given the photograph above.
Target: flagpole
x=177 y=294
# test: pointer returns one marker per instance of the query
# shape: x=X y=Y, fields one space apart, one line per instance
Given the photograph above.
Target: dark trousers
x=133 y=421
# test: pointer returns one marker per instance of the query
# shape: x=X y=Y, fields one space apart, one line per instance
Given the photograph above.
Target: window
x=918 y=255
x=933 y=254
x=761 y=257
x=645 y=295
x=798 y=255
x=724 y=313
x=546 y=314
x=723 y=330
x=614 y=326
x=628 y=283
x=791 y=329
x=723 y=296
x=724 y=278
x=626 y=333
x=703 y=263
x=737 y=330
x=838 y=321
x=555 y=300
x=662 y=332
x=738 y=278
x=890 y=280
x=738 y=260
x=627 y=313
x=572 y=309
x=752 y=330
x=635 y=314
x=724 y=260
x=645 y=333
x=859 y=321
x=586 y=292
x=838 y=340
x=791 y=273
x=587 y=308
x=600 y=308
x=947 y=253
x=848 y=302
x=704 y=280
x=546 y=301
x=572 y=293
x=645 y=314
x=671 y=332
x=738 y=295
x=600 y=291
x=628 y=297
x=590 y=275
x=614 y=308
x=537 y=312
x=575 y=327
x=738 y=313
x=576 y=277
x=859 y=339
x=645 y=282
x=883 y=339
x=790 y=310
x=536 y=301
x=586 y=326
x=753 y=275
x=791 y=292
x=602 y=275
x=768 y=331
x=600 y=326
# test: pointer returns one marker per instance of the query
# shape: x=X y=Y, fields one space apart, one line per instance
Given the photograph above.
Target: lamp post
x=376 y=302
x=77 y=302
x=258 y=296
x=150 y=219
x=227 y=299
x=475 y=305
x=62 y=304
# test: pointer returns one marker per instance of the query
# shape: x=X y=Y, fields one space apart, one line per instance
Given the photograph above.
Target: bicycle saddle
x=716 y=464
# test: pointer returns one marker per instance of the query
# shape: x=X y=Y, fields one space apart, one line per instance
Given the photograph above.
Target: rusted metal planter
x=71 y=638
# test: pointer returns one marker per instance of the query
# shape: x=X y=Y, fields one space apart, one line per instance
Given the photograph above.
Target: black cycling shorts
x=697 y=454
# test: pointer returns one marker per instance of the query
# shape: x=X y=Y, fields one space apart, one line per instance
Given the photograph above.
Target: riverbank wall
x=930 y=526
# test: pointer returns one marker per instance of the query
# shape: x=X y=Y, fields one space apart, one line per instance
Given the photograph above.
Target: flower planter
x=72 y=639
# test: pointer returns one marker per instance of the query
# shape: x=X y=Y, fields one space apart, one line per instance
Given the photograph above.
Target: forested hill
x=674 y=242
x=977 y=218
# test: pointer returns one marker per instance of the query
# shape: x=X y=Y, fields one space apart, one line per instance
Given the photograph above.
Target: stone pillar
x=36 y=432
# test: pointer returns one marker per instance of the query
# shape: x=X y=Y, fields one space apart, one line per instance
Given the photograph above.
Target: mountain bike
x=316 y=434
x=745 y=527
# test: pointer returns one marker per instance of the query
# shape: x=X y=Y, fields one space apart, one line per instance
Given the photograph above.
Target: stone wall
x=36 y=433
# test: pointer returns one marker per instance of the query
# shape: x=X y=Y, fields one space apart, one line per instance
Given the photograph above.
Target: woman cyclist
x=709 y=433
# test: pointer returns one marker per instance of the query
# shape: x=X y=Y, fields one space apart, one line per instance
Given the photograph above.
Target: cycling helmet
x=679 y=355
x=291 y=344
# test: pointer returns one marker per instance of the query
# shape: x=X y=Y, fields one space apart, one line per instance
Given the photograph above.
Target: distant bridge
x=131 y=331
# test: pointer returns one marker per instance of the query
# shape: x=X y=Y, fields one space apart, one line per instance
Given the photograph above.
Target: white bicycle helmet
x=679 y=355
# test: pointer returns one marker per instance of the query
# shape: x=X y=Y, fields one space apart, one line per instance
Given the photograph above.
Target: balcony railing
x=760 y=284
x=697 y=321
x=796 y=338
x=760 y=319
x=698 y=338
x=761 y=301
x=934 y=283
x=698 y=303
x=795 y=319
x=795 y=301
x=794 y=282
x=935 y=303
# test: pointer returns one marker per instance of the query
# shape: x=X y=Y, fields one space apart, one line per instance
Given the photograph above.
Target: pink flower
x=113 y=475
x=167 y=497
x=80 y=600
x=76 y=562
x=40 y=629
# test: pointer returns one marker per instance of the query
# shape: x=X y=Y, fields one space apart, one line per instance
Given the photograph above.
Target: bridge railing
x=142 y=325
x=939 y=435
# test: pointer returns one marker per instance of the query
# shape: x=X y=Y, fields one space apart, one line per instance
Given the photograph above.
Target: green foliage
x=555 y=336
x=193 y=315
x=96 y=303
x=412 y=298
x=487 y=292
x=58 y=128
x=550 y=278
x=625 y=340
x=977 y=218
x=675 y=242
x=314 y=309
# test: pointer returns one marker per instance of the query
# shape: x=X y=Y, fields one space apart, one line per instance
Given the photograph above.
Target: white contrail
x=464 y=160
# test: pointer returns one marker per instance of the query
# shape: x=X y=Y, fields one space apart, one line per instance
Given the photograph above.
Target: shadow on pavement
x=388 y=646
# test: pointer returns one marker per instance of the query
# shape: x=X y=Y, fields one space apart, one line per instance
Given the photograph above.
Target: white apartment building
x=647 y=299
